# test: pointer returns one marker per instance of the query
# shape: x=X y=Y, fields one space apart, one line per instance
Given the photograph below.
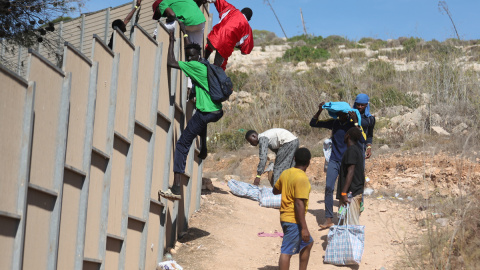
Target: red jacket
x=232 y=30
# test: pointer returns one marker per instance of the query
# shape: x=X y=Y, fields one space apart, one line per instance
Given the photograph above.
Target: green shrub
x=309 y=39
x=410 y=44
x=238 y=79
x=388 y=96
x=366 y=40
x=380 y=70
x=231 y=140
x=377 y=44
x=306 y=53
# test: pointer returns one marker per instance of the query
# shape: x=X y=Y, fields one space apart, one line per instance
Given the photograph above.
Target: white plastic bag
x=169 y=265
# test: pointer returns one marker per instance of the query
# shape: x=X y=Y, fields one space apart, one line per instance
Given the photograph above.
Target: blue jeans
x=197 y=125
x=333 y=171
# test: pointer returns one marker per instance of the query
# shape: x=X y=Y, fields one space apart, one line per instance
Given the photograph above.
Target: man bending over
x=280 y=141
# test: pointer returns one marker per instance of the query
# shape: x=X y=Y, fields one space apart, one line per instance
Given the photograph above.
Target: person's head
x=352 y=136
x=121 y=26
x=156 y=11
x=252 y=137
x=302 y=157
x=361 y=102
x=192 y=52
x=343 y=117
x=248 y=13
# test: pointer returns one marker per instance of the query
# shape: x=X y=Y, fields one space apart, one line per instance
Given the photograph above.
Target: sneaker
x=171 y=194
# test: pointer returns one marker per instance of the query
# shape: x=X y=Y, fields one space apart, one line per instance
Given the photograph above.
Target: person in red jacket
x=231 y=31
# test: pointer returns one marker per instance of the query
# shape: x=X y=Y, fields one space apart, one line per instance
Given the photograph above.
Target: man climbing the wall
x=122 y=24
x=280 y=141
x=233 y=30
x=186 y=12
x=207 y=111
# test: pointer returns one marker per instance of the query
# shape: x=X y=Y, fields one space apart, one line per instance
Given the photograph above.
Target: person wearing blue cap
x=362 y=104
x=343 y=119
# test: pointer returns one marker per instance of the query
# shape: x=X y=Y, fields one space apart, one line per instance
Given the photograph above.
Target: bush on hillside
x=381 y=71
x=238 y=79
x=264 y=37
x=306 y=53
x=308 y=39
x=409 y=44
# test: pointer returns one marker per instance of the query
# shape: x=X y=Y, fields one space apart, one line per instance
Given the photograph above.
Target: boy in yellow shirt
x=294 y=186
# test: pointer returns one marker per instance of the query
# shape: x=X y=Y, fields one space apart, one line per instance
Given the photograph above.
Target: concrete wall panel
x=8 y=231
x=141 y=142
x=80 y=68
x=104 y=99
x=72 y=187
x=145 y=85
x=165 y=84
x=94 y=212
x=39 y=210
x=134 y=239
x=159 y=156
x=47 y=109
x=153 y=238
x=112 y=257
x=13 y=103
x=120 y=151
x=122 y=46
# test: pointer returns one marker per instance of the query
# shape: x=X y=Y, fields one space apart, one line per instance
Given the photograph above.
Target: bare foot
x=325 y=226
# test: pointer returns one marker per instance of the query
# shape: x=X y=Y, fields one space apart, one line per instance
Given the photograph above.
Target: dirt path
x=223 y=234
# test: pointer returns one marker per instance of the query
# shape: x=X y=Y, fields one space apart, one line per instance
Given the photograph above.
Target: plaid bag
x=268 y=199
x=243 y=189
x=345 y=243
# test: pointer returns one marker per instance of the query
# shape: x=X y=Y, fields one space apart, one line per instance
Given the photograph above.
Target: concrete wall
x=90 y=140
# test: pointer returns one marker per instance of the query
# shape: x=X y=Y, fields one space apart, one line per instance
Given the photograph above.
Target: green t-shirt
x=198 y=73
x=187 y=11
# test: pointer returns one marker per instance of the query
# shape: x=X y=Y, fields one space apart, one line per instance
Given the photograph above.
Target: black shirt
x=353 y=156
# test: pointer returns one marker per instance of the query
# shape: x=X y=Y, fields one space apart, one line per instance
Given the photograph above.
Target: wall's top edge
x=100 y=40
x=45 y=60
x=14 y=75
x=145 y=33
x=95 y=12
x=77 y=52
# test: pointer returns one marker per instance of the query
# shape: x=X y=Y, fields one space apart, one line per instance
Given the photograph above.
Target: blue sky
x=355 y=19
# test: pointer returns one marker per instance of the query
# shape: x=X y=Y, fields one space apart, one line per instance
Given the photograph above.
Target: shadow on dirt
x=193 y=234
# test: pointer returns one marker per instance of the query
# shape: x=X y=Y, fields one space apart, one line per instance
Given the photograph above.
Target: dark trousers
x=197 y=125
x=333 y=171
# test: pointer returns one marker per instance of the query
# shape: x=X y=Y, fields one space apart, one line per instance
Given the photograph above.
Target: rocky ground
x=260 y=57
x=223 y=234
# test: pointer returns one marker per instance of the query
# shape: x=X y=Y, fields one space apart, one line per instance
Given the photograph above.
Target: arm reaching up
x=130 y=15
x=171 y=61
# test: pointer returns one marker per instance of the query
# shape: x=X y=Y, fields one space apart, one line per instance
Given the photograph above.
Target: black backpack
x=220 y=85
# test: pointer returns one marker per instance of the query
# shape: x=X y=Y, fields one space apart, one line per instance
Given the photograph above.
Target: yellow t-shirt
x=293 y=183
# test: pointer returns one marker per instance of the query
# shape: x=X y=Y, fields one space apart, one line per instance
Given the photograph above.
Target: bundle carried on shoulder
x=268 y=199
x=345 y=243
x=243 y=189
